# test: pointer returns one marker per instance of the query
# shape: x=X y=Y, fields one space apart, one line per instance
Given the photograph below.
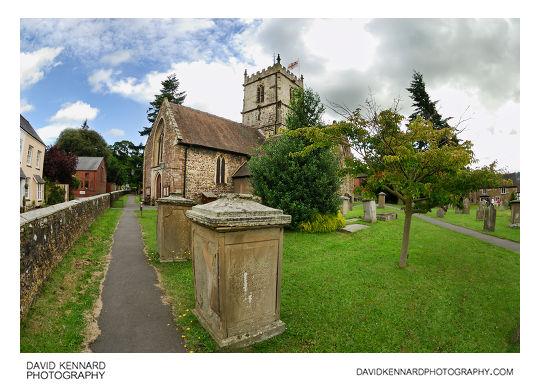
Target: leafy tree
x=85 y=142
x=55 y=194
x=130 y=159
x=436 y=175
x=305 y=109
x=59 y=166
x=168 y=90
x=301 y=186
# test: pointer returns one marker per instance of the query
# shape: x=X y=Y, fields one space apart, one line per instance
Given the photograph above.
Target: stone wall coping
x=175 y=198
x=49 y=210
x=514 y=202
x=237 y=211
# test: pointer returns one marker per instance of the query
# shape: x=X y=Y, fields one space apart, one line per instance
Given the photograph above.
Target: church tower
x=266 y=97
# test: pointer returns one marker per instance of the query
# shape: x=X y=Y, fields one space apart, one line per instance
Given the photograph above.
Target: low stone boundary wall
x=47 y=234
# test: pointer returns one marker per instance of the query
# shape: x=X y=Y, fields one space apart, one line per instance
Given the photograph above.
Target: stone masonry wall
x=201 y=172
x=47 y=234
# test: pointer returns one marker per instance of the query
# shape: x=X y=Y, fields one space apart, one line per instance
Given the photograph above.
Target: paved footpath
x=508 y=244
x=133 y=318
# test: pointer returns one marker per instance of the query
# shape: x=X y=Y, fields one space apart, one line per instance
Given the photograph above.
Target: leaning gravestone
x=441 y=212
x=480 y=212
x=370 y=213
x=489 y=219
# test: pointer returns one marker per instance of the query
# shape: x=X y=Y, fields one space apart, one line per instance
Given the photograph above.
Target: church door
x=158 y=186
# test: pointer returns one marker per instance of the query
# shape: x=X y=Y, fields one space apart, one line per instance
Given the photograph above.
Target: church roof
x=88 y=163
x=243 y=171
x=203 y=129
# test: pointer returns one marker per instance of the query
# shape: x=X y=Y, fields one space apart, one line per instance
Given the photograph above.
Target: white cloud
x=25 y=106
x=99 y=79
x=49 y=133
x=35 y=64
x=117 y=58
x=75 y=112
x=69 y=116
x=115 y=132
x=212 y=87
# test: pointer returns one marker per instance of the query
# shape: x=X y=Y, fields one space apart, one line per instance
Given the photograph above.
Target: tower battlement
x=278 y=67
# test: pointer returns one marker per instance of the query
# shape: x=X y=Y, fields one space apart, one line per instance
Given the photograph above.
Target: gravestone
x=489 y=218
x=480 y=212
x=237 y=248
x=388 y=216
x=441 y=212
x=351 y=201
x=173 y=230
x=466 y=206
x=370 y=213
x=344 y=205
x=381 y=202
x=351 y=228
x=514 y=214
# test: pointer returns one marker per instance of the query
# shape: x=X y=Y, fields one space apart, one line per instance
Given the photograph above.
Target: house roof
x=26 y=126
x=23 y=176
x=38 y=179
x=88 y=163
x=243 y=171
x=203 y=129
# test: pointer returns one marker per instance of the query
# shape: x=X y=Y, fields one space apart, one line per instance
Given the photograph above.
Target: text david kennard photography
x=65 y=370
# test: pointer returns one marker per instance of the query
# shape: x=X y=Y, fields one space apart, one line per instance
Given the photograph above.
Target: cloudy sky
x=108 y=70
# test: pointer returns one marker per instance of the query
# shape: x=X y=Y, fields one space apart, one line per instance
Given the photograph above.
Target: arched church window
x=160 y=148
x=260 y=94
x=220 y=171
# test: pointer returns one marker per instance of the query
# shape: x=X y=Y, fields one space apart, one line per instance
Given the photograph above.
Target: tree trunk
x=406 y=233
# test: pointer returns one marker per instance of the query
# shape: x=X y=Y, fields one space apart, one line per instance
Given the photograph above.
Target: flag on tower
x=292 y=65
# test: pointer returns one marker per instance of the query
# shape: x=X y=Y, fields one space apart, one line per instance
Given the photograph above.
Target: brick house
x=194 y=152
x=500 y=193
x=32 y=155
x=93 y=175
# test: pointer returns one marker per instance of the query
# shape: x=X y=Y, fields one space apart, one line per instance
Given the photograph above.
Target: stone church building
x=202 y=155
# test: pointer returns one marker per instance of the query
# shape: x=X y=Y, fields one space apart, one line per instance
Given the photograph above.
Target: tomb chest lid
x=237 y=212
x=175 y=198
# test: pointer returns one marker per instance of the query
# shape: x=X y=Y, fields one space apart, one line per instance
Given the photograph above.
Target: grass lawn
x=56 y=322
x=469 y=221
x=345 y=292
x=121 y=202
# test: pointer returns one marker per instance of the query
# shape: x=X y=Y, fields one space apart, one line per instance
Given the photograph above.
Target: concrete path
x=133 y=317
x=508 y=244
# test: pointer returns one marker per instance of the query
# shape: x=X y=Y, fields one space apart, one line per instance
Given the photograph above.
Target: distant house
x=32 y=153
x=93 y=175
x=499 y=193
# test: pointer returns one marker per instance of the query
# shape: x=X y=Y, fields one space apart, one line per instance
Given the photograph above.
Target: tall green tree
x=436 y=175
x=169 y=90
x=306 y=109
x=130 y=159
x=423 y=105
